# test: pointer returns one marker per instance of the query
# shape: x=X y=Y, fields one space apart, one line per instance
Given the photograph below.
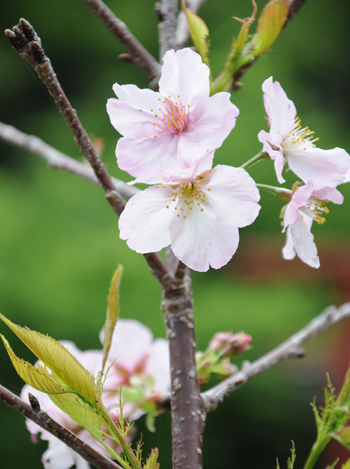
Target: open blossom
x=174 y=127
x=307 y=204
x=135 y=360
x=288 y=142
x=198 y=216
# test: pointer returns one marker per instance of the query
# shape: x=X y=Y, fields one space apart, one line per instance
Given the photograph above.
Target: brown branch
x=294 y=7
x=288 y=349
x=167 y=12
x=63 y=434
x=182 y=31
x=187 y=407
x=58 y=160
x=138 y=54
x=27 y=43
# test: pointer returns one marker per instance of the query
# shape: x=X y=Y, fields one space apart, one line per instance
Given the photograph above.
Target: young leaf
x=34 y=377
x=199 y=32
x=151 y=462
x=112 y=312
x=270 y=24
x=61 y=362
x=346 y=465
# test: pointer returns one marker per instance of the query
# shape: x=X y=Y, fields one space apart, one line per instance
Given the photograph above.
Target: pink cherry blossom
x=307 y=204
x=288 y=142
x=198 y=216
x=174 y=127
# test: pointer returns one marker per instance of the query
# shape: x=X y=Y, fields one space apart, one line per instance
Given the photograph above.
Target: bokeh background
x=59 y=240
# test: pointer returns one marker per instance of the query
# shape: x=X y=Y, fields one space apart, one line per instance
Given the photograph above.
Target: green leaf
x=62 y=363
x=112 y=312
x=38 y=379
x=270 y=24
x=346 y=465
x=151 y=462
x=199 y=32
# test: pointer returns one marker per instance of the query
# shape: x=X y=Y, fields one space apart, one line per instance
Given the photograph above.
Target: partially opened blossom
x=307 y=204
x=198 y=216
x=288 y=142
x=174 y=127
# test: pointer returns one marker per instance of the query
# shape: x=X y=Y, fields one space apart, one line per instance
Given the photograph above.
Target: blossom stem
x=315 y=452
x=280 y=192
x=260 y=156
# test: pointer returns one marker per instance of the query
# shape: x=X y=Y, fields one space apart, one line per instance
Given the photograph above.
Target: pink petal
x=330 y=193
x=233 y=195
x=280 y=110
x=276 y=154
x=300 y=198
x=326 y=168
x=184 y=75
x=201 y=240
x=210 y=122
x=301 y=239
x=132 y=113
x=145 y=220
x=149 y=154
x=158 y=365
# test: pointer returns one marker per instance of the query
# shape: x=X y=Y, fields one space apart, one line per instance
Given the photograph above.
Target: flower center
x=187 y=196
x=299 y=135
x=315 y=209
x=172 y=117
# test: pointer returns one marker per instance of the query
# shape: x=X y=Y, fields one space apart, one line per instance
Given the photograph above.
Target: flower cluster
x=169 y=139
x=138 y=373
x=321 y=171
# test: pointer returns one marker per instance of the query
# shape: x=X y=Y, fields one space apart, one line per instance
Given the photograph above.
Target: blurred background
x=59 y=240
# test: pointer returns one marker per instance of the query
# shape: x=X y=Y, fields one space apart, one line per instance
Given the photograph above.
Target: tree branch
x=182 y=31
x=288 y=349
x=167 y=12
x=27 y=43
x=138 y=54
x=47 y=423
x=58 y=160
x=187 y=407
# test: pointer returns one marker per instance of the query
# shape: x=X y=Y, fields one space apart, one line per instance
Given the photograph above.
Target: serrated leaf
x=112 y=312
x=199 y=32
x=270 y=24
x=36 y=378
x=151 y=462
x=80 y=412
x=58 y=359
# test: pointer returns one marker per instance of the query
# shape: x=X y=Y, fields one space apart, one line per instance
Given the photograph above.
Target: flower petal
x=184 y=76
x=300 y=238
x=272 y=146
x=133 y=114
x=233 y=195
x=200 y=240
x=325 y=168
x=145 y=220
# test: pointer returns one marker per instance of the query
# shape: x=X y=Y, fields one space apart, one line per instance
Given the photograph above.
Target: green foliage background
x=59 y=240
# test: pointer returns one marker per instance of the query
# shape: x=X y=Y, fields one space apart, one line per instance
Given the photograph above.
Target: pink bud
x=229 y=344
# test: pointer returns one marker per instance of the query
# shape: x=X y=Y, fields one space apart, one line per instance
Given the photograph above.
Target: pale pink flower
x=175 y=127
x=307 y=204
x=288 y=142
x=198 y=216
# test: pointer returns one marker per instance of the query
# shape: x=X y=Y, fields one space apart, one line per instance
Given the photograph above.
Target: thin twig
x=291 y=348
x=63 y=434
x=288 y=349
x=182 y=31
x=167 y=12
x=27 y=43
x=58 y=160
x=138 y=54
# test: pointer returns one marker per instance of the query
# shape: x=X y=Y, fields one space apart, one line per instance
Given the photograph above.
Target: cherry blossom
x=288 y=142
x=307 y=204
x=172 y=128
x=198 y=216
